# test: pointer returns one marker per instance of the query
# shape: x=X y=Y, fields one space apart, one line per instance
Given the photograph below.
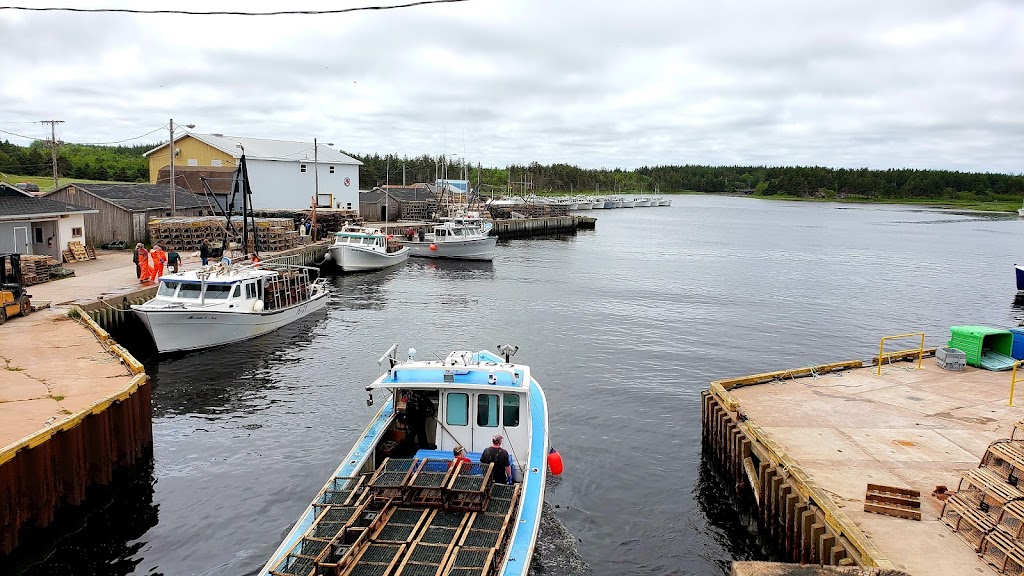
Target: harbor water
x=623 y=326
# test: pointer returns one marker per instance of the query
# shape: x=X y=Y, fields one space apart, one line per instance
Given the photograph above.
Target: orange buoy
x=433 y=246
x=555 y=462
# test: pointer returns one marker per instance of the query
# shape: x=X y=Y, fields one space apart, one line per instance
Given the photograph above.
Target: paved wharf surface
x=907 y=428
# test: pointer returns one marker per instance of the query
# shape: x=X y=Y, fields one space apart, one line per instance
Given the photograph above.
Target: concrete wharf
x=804 y=444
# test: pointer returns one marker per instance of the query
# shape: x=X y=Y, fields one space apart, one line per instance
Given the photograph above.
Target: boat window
x=238 y=290
x=250 y=290
x=510 y=410
x=190 y=290
x=167 y=289
x=487 y=410
x=217 y=291
x=458 y=232
x=458 y=409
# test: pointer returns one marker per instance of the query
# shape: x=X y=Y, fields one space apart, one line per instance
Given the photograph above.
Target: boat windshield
x=167 y=288
x=190 y=290
x=218 y=291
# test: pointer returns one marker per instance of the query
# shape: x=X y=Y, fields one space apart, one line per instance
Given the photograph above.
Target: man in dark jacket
x=204 y=252
x=502 y=471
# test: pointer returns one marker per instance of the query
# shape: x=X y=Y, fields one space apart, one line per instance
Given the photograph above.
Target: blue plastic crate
x=1017 y=349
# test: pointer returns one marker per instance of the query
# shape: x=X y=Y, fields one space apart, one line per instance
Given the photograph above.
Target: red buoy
x=555 y=462
x=433 y=246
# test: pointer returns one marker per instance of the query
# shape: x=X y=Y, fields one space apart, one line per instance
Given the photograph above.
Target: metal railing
x=1014 y=380
x=882 y=355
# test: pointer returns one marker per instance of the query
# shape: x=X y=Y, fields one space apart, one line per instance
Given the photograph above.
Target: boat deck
x=907 y=428
x=411 y=517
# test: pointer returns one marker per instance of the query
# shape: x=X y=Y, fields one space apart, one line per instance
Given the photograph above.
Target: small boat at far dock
x=224 y=303
x=400 y=503
x=358 y=249
x=1020 y=276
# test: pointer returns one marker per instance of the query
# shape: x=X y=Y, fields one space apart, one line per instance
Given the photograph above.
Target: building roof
x=140 y=197
x=220 y=178
x=16 y=204
x=263 y=149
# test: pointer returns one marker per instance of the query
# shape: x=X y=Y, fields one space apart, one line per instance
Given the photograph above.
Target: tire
x=26 y=307
x=3 y=315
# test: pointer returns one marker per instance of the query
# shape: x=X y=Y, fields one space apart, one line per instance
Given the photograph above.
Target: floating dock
x=543 y=226
x=821 y=450
x=74 y=408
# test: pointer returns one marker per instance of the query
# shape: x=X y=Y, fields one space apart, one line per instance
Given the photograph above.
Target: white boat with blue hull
x=399 y=504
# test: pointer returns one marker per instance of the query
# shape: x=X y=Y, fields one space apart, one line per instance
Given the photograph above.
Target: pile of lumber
x=37 y=269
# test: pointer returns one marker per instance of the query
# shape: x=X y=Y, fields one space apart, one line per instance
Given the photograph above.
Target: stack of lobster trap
x=410 y=517
x=987 y=511
x=187 y=233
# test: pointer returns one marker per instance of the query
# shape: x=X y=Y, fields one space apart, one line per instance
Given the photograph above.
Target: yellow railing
x=882 y=355
x=1014 y=380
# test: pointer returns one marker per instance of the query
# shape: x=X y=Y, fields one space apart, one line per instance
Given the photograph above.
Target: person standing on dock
x=204 y=252
x=159 y=261
x=143 y=261
x=135 y=259
x=173 y=259
x=502 y=471
x=422 y=233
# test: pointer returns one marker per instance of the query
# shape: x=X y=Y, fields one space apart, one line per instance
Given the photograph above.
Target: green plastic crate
x=973 y=339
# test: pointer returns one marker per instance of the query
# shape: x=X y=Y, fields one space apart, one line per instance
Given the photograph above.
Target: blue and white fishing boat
x=1020 y=276
x=399 y=504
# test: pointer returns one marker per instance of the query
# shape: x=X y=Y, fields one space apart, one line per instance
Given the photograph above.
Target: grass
x=9 y=368
x=57 y=397
x=981 y=206
x=45 y=183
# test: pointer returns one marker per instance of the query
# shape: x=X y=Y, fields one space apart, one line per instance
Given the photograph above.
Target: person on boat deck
x=159 y=260
x=502 y=471
x=204 y=252
x=173 y=259
x=143 y=256
x=422 y=233
x=417 y=409
x=410 y=234
x=459 y=454
x=254 y=259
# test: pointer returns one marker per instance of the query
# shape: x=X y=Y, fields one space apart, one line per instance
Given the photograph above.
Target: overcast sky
x=873 y=83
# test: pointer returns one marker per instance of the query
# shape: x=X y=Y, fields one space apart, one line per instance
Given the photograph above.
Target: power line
x=164 y=127
x=22 y=135
x=231 y=13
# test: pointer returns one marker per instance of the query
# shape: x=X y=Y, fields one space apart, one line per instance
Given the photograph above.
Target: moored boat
x=664 y=202
x=358 y=249
x=225 y=303
x=459 y=239
x=642 y=202
x=1020 y=276
x=401 y=499
x=598 y=203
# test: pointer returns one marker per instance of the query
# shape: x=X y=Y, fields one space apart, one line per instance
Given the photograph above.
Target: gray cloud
x=933 y=84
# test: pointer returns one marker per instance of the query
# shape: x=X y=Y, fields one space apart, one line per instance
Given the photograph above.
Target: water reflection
x=455 y=269
x=363 y=290
x=103 y=536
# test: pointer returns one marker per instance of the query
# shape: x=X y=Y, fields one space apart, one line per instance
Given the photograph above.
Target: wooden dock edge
x=56 y=465
x=797 y=514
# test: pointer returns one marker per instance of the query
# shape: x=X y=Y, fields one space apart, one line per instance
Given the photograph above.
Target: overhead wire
x=229 y=12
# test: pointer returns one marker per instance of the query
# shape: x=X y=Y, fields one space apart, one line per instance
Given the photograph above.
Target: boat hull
x=1020 y=276
x=475 y=249
x=627 y=204
x=358 y=259
x=584 y=205
x=665 y=202
x=178 y=330
x=597 y=206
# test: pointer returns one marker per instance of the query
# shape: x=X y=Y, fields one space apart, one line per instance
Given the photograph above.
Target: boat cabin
x=372 y=238
x=463 y=400
x=253 y=289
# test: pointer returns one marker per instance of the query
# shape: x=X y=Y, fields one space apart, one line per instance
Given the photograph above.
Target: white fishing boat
x=394 y=506
x=584 y=204
x=641 y=202
x=455 y=238
x=598 y=203
x=664 y=202
x=358 y=249
x=627 y=203
x=613 y=202
x=225 y=303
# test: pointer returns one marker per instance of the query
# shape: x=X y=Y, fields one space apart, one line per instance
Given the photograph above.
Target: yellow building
x=190 y=150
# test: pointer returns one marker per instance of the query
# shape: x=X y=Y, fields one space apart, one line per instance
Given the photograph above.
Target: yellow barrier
x=919 y=350
x=1014 y=380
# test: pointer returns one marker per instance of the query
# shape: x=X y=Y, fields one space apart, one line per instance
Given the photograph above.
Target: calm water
x=623 y=327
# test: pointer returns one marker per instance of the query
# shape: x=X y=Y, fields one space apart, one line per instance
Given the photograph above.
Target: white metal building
x=283 y=174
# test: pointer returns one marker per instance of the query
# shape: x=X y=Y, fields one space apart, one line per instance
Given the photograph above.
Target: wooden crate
x=893 y=501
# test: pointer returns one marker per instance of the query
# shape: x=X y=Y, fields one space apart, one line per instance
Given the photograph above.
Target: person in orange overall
x=143 y=256
x=159 y=260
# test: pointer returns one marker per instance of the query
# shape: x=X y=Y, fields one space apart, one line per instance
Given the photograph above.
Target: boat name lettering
x=201 y=317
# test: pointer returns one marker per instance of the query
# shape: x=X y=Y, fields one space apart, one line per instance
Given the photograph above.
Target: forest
x=126 y=164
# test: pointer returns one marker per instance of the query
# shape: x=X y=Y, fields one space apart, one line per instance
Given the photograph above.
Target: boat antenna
x=511 y=447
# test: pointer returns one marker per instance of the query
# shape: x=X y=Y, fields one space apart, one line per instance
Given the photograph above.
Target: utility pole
x=170 y=152
x=53 y=145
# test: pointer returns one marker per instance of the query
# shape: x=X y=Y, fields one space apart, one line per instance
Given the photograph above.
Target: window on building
x=39 y=235
x=458 y=409
x=487 y=410
x=193 y=162
x=510 y=410
x=76 y=231
x=302 y=167
x=215 y=163
x=332 y=169
x=349 y=205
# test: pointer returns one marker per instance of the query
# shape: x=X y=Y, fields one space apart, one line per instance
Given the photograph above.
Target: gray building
x=415 y=202
x=123 y=211
x=32 y=225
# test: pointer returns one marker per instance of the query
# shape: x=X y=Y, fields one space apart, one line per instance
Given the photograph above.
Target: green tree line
x=79 y=161
x=126 y=164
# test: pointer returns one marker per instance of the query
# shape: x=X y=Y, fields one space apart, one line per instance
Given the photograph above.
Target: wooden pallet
x=90 y=251
x=893 y=501
x=69 y=256
x=78 y=250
